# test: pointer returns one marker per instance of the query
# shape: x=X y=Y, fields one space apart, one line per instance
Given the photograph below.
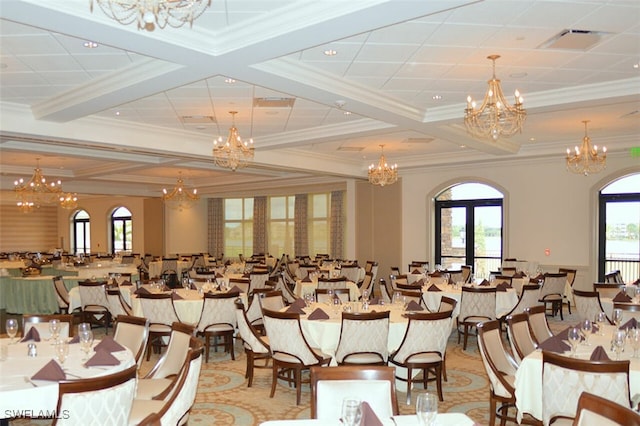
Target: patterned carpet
x=223 y=397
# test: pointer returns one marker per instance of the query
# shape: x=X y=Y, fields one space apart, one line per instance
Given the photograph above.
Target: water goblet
x=617 y=317
x=330 y=296
x=62 y=350
x=601 y=318
x=426 y=408
x=586 y=329
x=619 y=339
x=633 y=334
x=336 y=304
x=12 y=329
x=397 y=299
x=54 y=329
x=86 y=342
x=574 y=339
x=351 y=411
x=365 y=296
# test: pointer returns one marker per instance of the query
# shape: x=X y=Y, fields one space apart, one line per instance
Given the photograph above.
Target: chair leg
x=439 y=381
x=492 y=410
x=466 y=335
x=274 y=379
x=207 y=345
x=298 y=381
x=249 y=372
x=409 y=384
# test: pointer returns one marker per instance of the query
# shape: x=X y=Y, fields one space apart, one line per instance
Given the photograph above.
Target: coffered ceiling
x=127 y=116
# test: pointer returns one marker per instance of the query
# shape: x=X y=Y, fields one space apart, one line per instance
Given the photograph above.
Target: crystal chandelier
x=495 y=117
x=234 y=153
x=69 y=201
x=179 y=198
x=151 y=13
x=36 y=191
x=383 y=174
x=586 y=159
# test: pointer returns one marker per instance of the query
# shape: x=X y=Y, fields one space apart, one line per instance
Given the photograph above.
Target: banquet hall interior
x=132 y=117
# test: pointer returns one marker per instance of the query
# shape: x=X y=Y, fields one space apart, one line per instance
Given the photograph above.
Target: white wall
x=186 y=231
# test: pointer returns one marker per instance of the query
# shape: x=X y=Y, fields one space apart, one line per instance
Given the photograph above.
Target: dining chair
x=159 y=310
x=386 y=290
x=290 y=351
x=455 y=275
x=322 y=295
x=117 y=305
x=351 y=273
x=538 y=324
x=62 y=294
x=218 y=320
x=423 y=347
x=508 y=271
x=285 y=289
x=572 y=376
x=372 y=384
x=41 y=323
x=367 y=284
x=363 y=338
x=258 y=279
x=332 y=283
x=520 y=339
x=244 y=284
x=552 y=292
x=447 y=304
x=503 y=279
x=256 y=345
x=132 y=332
x=92 y=401
x=95 y=306
x=608 y=290
x=594 y=410
x=162 y=377
x=528 y=298
x=587 y=304
x=120 y=277
x=477 y=304
x=466 y=273
x=571 y=278
x=613 y=277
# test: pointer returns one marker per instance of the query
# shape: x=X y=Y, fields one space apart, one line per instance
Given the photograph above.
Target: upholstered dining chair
x=363 y=338
x=447 y=304
x=538 y=324
x=41 y=323
x=608 y=290
x=629 y=310
x=117 y=305
x=466 y=273
x=351 y=273
x=258 y=279
x=132 y=332
x=367 y=284
x=423 y=348
x=528 y=298
x=571 y=278
x=159 y=310
x=477 y=304
x=323 y=295
x=92 y=401
x=290 y=351
x=587 y=304
x=244 y=284
x=386 y=290
x=594 y=410
x=256 y=345
x=373 y=384
x=552 y=292
x=508 y=271
x=218 y=320
x=520 y=338
x=95 y=306
x=332 y=283
x=571 y=377
x=62 y=294
x=285 y=289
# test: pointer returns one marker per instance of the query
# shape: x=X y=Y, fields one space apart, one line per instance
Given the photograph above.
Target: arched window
x=618 y=239
x=468 y=219
x=121 y=230
x=81 y=233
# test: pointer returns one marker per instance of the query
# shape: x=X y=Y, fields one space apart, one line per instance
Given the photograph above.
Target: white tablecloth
x=18 y=395
x=304 y=287
x=443 y=419
x=505 y=300
x=529 y=375
x=155 y=268
x=101 y=271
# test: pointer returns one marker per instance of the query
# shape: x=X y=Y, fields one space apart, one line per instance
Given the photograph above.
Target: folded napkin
x=502 y=287
x=142 y=290
x=418 y=283
x=539 y=277
x=416 y=272
x=433 y=287
x=519 y=274
x=107 y=344
x=235 y=289
x=246 y=275
x=435 y=274
x=76 y=339
x=306 y=279
x=176 y=296
x=632 y=323
x=298 y=303
x=555 y=344
x=368 y=417
x=295 y=310
x=126 y=283
x=414 y=306
x=484 y=283
x=318 y=314
x=166 y=288
x=192 y=286
x=102 y=357
x=32 y=334
x=51 y=371
x=219 y=275
x=599 y=354
x=374 y=301
x=636 y=282
x=622 y=297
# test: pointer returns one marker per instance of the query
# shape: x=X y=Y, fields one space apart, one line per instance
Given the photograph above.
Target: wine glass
x=330 y=295
x=633 y=335
x=86 y=342
x=54 y=329
x=397 y=299
x=336 y=304
x=12 y=328
x=617 y=317
x=619 y=338
x=574 y=339
x=61 y=350
x=601 y=318
x=585 y=329
x=427 y=408
x=365 y=296
x=351 y=411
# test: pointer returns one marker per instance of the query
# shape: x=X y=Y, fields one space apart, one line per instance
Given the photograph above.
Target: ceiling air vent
x=418 y=140
x=273 y=102
x=198 y=119
x=574 y=40
x=351 y=148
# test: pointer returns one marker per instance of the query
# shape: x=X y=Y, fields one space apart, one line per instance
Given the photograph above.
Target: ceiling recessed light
x=636 y=66
x=90 y=44
x=229 y=80
x=330 y=52
x=518 y=75
x=117 y=112
x=347 y=113
x=532 y=139
x=436 y=97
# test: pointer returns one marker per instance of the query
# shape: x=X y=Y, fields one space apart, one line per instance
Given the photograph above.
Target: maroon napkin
x=142 y=290
x=369 y=417
x=539 y=277
x=433 y=287
x=31 y=335
x=636 y=282
x=632 y=323
x=484 y=283
x=622 y=297
x=126 y=283
x=176 y=296
x=295 y=309
x=76 y=339
x=414 y=306
x=235 y=289
x=245 y=275
x=219 y=275
x=435 y=274
x=318 y=314
x=306 y=279
x=518 y=275
x=416 y=272
x=107 y=344
x=299 y=303
x=51 y=371
x=192 y=286
x=599 y=354
x=102 y=357
x=555 y=344
x=166 y=288
x=502 y=287
x=374 y=301
x=418 y=283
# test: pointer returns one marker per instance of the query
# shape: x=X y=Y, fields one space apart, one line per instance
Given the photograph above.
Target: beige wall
x=35 y=231
x=153 y=226
x=186 y=230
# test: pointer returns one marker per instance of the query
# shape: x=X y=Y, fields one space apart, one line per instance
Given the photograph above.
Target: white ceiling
x=112 y=120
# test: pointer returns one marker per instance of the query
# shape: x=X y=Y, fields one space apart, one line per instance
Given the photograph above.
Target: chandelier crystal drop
x=150 y=14
x=36 y=191
x=234 y=153
x=69 y=201
x=179 y=198
x=495 y=118
x=383 y=174
x=586 y=159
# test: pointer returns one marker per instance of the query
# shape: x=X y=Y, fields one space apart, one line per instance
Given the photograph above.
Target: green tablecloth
x=33 y=295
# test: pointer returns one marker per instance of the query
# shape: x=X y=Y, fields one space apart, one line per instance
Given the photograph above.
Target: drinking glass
x=83 y=326
x=619 y=338
x=574 y=339
x=427 y=408
x=336 y=304
x=601 y=317
x=330 y=296
x=617 y=317
x=62 y=350
x=585 y=329
x=365 y=296
x=351 y=412
x=397 y=299
x=54 y=329
x=12 y=328
x=633 y=334
x=86 y=342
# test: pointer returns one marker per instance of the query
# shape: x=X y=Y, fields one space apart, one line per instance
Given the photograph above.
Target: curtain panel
x=300 y=224
x=260 y=225
x=336 y=225
x=215 y=243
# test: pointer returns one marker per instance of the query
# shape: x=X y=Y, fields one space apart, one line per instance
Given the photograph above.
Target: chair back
x=173 y=359
x=332 y=283
x=587 y=304
x=447 y=304
x=498 y=364
x=528 y=298
x=218 y=312
x=571 y=274
x=258 y=279
x=373 y=384
x=93 y=296
x=572 y=376
x=272 y=300
x=41 y=323
x=477 y=303
x=351 y=272
x=520 y=338
x=286 y=340
x=62 y=294
x=244 y=284
x=363 y=338
x=608 y=290
x=92 y=401
x=322 y=295
x=508 y=271
x=466 y=273
x=538 y=325
x=426 y=333
x=594 y=410
x=132 y=333
x=455 y=275
x=246 y=331
x=367 y=283
x=553 y=286
x=283 y=287
x=117 y=305
x=158 y=309
x=500 y=279
x=386 y=290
